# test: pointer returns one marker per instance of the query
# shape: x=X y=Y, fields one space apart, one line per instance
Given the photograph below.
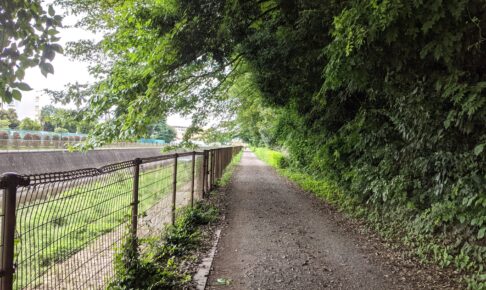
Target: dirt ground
x=276 y=236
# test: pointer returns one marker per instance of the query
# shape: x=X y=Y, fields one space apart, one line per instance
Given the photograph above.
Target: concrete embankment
x=33 y=162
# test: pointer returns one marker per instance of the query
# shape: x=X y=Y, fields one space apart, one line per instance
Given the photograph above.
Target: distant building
x=37 y=109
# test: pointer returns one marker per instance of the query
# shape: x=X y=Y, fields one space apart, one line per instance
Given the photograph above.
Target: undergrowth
x=157 y=266
x=397 y=223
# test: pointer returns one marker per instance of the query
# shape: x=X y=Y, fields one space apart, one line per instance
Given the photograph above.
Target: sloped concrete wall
x=32 y=162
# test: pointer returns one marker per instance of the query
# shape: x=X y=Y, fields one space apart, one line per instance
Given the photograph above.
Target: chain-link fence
x=60 y=230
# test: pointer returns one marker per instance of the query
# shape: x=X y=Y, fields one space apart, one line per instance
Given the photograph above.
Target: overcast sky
x=65 y=71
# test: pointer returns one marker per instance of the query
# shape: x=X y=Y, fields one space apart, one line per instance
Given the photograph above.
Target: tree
x=4 y=123
x=11 y=116
x=46 y=115
x=60 y=130
x=162 y=131
x=71 y=120
x=29 y=124
x=28 y=34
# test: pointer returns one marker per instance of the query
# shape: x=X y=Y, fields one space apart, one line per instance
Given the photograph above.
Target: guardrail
x=60 y=229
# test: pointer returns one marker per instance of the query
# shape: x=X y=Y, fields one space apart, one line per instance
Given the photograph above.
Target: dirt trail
x=277 y=237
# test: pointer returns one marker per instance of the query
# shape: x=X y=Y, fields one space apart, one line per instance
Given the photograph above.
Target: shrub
x=46 y=140
x=28 y=140
x=3 y=138
x=60 y=130
x=36 y=140
x=16 y=139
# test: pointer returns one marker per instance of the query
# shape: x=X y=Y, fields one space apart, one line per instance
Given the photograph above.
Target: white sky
x=65 y=71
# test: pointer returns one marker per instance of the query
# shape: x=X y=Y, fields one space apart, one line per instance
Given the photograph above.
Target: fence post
x=205 y=173
x=9 y=182
x=174 y=189
x=192 y=183
x=135 y=201
x=210 y=170
x=213 y=172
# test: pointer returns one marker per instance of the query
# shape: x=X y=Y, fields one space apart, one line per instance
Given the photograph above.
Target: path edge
x=204 y=268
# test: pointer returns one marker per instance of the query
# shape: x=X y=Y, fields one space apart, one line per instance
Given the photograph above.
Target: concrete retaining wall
x=52 y=161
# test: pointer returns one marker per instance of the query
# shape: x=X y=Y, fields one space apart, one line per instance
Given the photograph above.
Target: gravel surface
x=276 y=236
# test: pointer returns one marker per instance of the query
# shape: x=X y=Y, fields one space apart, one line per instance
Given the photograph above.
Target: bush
x=36 y=140
x=27 y=140
x=3 y=138
x=46 y=140
x=60 y=130
x=16 y=139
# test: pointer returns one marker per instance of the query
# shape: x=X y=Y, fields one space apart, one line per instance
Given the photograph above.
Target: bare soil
x=275 y=236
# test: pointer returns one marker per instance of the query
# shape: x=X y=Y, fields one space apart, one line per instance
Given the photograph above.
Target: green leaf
x=478 y=149
x=57 y=48
x=20 y=73
x=51 y=11
x=481 y=233
x=52 y=32
x=22 y=86
x=46 y=68
x=49 y=53
x=17 y=95
x=7 y=97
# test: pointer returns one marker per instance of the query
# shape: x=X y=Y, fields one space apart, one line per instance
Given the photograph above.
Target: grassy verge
x=228 y=172
x=399 y=225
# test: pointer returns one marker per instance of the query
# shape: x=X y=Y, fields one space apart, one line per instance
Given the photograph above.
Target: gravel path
x=277 y=237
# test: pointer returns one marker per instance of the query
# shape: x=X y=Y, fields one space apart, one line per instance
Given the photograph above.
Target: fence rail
x=59 y=229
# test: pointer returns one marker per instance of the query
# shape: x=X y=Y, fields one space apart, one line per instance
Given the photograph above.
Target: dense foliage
x=10 y=115
x=29 y=124
x=56 y=119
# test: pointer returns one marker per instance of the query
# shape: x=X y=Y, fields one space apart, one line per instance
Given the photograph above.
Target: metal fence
x=60 y=230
